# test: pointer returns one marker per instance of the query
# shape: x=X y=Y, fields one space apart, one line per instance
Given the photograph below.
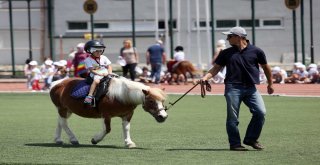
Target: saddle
x=81 y=90
x=175 y=65
x=172 y=65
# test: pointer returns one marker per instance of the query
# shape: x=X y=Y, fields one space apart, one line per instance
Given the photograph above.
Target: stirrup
x=88 y=100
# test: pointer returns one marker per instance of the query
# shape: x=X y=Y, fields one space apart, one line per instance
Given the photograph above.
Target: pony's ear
x=146 y=92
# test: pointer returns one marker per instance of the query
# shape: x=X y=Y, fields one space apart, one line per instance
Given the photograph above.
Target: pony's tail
x=195 y=71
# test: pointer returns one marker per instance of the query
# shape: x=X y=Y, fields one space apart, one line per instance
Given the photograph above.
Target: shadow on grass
x=54 y=145
x=198 y=149
x=204 y=149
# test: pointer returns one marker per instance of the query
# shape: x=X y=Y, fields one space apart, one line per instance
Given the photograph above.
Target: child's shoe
x=88 y=100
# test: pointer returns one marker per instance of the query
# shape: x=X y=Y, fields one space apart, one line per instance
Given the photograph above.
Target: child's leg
x=88 y=99
x=93 y=86
x=38 y=85
x=35 y=84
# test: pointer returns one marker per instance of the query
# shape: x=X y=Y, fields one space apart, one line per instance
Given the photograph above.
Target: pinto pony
x=122 y=98
x=179 y=73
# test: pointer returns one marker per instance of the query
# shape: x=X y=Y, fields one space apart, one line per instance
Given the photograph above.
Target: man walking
x=156 y=57
x=242 y=61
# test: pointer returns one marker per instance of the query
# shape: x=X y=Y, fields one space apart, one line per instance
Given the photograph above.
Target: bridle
x=159 y=109
x=204 y=85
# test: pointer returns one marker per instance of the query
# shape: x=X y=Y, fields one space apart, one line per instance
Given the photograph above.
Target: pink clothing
x=79 y=57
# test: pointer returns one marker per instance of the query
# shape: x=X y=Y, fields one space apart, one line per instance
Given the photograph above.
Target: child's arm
x=109 y=67
x=95 y=71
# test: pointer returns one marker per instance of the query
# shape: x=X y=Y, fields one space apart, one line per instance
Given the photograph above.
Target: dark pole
x=133 y=23
x=302 y=32
x=92 y=26
x=311 y=34
x=212 y=25
x=50 y=28
x=11 y=36
x=253 y=22
x=170 y=29
x=29 y=29
x=294 y=35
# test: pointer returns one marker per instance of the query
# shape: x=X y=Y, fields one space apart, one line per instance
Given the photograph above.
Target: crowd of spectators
x=299 y=74
x=51 y=71
x=48 y=72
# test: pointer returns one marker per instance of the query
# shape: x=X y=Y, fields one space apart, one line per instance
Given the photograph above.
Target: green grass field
x=194 y=133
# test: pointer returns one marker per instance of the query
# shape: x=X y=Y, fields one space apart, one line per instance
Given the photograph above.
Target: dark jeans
x=156 y=71
x=236 y=94
x=131 y=69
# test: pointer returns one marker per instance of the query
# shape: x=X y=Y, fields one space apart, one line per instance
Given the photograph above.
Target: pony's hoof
x=131 y=145
x=74 y=142
x=93 y=141
x=59 y=142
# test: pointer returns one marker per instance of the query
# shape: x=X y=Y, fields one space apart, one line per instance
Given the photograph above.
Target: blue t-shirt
x=242 y=66
x=155 y=52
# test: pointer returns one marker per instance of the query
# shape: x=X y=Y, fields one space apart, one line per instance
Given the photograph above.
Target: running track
x=312 y=90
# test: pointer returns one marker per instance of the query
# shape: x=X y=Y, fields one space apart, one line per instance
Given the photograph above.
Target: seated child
x=97 y=64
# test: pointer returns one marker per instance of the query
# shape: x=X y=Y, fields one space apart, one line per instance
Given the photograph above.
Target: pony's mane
x=127 y=91
x=54 y=83
x=158 y=94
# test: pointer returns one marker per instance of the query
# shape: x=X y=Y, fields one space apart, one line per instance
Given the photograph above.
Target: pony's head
x=134 y=93
x=153 y=103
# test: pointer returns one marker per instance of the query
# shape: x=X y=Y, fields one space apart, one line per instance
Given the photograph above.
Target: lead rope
x=205 y=86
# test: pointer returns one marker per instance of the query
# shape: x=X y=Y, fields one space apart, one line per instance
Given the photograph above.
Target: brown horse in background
x=180 y=72
x=122 y=98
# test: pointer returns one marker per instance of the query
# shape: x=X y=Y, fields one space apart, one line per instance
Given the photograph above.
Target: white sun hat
x=57 y=63
x=33 y=63
x=312 y=66
x=276 y=70
x=63 y=62
x=48 y=62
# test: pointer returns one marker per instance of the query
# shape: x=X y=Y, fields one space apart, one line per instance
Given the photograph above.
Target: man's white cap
x=48 y=62
x=33 y=63
x=159 y=42
x=221 y=42
x=237 y=31
x=80 y=45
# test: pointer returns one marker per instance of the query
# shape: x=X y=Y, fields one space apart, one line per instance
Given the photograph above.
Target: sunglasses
x=96 y=50
x=230 y=36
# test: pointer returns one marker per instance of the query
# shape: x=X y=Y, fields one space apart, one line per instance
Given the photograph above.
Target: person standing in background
x=156 y=57
x=221 y=45
x=36 y=76
x=47 y=74
x=78 y=59
x=219 y=78
x=131 y=58
x=27 y=73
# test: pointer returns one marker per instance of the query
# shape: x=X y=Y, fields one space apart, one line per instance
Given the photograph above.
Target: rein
x=204 y=85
